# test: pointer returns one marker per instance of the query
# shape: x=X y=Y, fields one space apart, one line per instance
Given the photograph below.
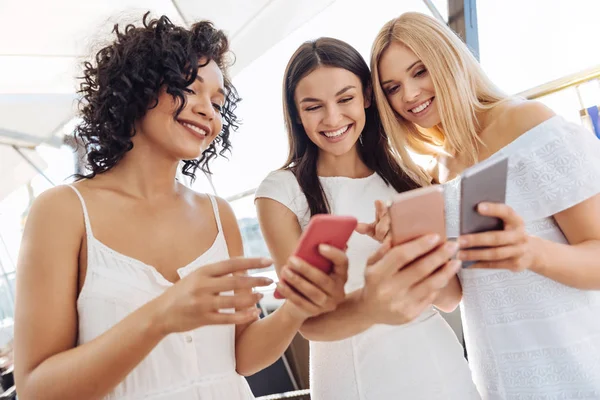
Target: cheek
x=310 y=123
x=396 y=103
x=429 y=85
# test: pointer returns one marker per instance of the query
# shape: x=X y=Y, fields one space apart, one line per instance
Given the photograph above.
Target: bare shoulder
x=518 y=117
x=231 y=229
x=225 y=209
x=228 y=219
x=53 y=234
x=58 y=205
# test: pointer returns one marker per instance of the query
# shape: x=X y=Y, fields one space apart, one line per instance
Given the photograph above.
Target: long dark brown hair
x=374 y=148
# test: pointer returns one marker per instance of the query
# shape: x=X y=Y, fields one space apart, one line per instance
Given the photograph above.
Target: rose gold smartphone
x=416 y=213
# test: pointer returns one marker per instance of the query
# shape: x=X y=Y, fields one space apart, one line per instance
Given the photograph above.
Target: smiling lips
x=421 y=107
x=199 y=130
x=337 y=133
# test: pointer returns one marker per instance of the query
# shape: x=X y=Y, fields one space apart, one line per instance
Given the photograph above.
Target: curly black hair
x=126 y=81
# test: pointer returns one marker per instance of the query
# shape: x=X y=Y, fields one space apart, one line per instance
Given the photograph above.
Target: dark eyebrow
x=339 y=93
x=200 y=79
x=407 y=69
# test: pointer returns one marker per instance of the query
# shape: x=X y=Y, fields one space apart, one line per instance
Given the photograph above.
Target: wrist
x=291 y=316
x=538 y=252
x=363 y=308
x=154 y=320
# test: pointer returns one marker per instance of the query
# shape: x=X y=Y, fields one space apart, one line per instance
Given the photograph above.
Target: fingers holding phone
x=510 y=248
x=493 y=235
x=402 y=283
x=310 y=290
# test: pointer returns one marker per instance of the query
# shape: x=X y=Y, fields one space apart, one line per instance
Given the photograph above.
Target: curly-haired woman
x=128 y=273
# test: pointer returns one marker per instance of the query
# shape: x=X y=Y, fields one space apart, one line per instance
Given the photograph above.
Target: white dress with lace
x=527 y=336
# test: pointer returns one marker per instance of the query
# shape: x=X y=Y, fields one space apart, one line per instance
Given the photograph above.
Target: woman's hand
x=308 y=290
x=401 y=282
x=380 y=228
x=197 y=299
x=511 y=248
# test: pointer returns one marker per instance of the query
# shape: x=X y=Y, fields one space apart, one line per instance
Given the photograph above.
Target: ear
x=368 y=96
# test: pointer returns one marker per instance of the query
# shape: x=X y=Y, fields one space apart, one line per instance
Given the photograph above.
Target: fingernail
x=266 y=261
x=462 y=241
x=260 y=296
x=451 y=246
x=482 y=207
x=456 y=265
x=267 y=281
x=287 y=273
x=460 y=255
x=324 y=247
x=295 y=261
x=433 y=239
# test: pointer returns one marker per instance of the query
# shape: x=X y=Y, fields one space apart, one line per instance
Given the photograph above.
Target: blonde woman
x=531 y=305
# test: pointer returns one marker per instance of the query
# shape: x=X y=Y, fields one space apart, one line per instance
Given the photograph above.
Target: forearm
x=265 y=340
x=449 y=297
x=572 y=265
x=92 y=370
x=347 y=320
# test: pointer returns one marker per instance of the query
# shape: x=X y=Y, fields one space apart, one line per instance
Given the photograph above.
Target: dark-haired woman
x=385 y=341
x=130 y=285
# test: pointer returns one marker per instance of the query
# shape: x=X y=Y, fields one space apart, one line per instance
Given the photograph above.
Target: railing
x=563 y=83
x=295 y=395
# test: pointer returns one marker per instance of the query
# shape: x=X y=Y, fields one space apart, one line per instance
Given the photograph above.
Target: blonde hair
x=461 y=88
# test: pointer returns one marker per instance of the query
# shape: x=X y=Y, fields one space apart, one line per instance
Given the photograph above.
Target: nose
x=411 y=92
x=202 y=105
x=333 y=117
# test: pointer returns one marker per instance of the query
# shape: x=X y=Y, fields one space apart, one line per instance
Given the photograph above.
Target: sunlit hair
x=462 y=90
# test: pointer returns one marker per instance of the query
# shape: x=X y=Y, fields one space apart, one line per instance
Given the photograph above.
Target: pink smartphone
x=416 y=213
x=333 y=230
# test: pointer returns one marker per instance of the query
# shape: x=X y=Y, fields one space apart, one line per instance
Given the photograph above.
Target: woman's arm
x=48 y=362
x=281 y=231
x=261 y=342
x=400 y=282
x=574 y=264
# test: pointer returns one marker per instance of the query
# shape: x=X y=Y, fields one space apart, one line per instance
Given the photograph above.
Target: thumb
x=365 y=229
x=380 y=209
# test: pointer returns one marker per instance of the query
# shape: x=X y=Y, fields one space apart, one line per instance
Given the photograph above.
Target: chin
x=189 y=153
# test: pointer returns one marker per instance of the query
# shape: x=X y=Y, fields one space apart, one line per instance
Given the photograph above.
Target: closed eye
x=421 y=72
x=312 y=108
x=346 y=100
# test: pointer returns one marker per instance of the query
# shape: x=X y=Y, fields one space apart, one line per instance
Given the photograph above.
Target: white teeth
x=421 y=107
x=195 y=128
x=337 y=133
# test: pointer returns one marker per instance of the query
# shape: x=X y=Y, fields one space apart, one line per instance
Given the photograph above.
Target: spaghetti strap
x=216 y=211
x=88 y=226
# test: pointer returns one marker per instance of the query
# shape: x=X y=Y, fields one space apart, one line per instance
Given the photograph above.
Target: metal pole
x=462 y=18
x=434 y=11
x=28 y=160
